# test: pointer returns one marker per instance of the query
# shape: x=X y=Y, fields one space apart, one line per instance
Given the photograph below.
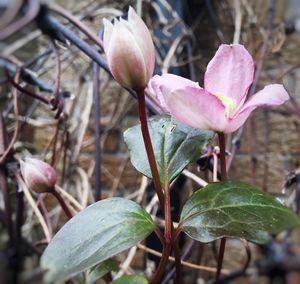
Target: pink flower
x=220 y=105
x=130 y=51
x=38 y=175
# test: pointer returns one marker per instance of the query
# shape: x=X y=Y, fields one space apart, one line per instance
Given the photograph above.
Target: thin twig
x=66 y=14
x=238 y=21
x=33 y=9
x=34 y=207
x=184 y=263
x=16 y=113
x=126 y=263
x=10 y=13
x=56 y=101
x=4 y=184
x=194 y=177
x=25 y=91
x=70 y=198
x=264 y=48
x=96 y=122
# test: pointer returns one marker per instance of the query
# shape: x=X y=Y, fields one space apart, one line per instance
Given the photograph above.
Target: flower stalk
x=162 y=264
x=163 y=196
x=62 y=203
x=168 y=218
x=148 y=146
x=164 y=200
x=222 y=145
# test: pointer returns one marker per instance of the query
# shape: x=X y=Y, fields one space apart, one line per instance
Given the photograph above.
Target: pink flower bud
x=38 y=175
x=130 y=51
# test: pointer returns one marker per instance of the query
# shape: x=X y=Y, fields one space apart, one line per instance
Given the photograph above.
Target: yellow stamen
x=229 y=103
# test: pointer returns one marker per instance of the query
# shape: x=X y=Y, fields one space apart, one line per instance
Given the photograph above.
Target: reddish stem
x=177 y=262
x=148 y=146
x=62 y=203
x=162 y=264
x=168 y=220
x=223 y=178
x=220 y=258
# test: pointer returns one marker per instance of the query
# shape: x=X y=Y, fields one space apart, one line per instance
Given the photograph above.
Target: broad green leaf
x=175 y=145
x=97 y=233
x=234 y=209
x=131 y=279
x=98 y=271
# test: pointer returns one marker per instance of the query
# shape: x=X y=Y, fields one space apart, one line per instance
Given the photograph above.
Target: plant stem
x=223 y=178
x=162 y=264
x=220 y=259
x=148 y=146
x=168 y=219
x=169 y=232
x=18 y=233
x=159 y=234
x=164 y=197
x=222 y=156
x=177 y=232
x=62 y=203
x=177 y=262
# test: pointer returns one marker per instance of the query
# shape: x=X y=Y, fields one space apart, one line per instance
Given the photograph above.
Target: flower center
x=229 y=103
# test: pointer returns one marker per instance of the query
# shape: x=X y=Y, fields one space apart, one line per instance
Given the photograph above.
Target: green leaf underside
x=131 y=279
x=235 y=209
x=97 y=233
x=98 y=271
x=175 y=145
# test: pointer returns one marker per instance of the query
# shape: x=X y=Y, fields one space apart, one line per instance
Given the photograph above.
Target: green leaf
x=175 y=145
x=98 y=271
x=131 y=279
x=97 y=233
x=234 y=209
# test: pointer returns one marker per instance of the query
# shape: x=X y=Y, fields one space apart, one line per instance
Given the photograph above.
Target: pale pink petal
x=167 y=83
x=230 y=72
x=108 y=30
x=189 y=103
x=271 y=95
x=125 y=58
x=236 y=122
x=144 y=40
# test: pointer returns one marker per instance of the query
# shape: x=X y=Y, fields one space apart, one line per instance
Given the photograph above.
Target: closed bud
x=130 y=51
x=38 y=175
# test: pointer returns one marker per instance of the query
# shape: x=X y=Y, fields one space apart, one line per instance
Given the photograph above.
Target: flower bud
x=38 y=175
x=130 y=51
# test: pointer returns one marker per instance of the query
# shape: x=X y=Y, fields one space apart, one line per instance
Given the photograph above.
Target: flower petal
x=125 y=58
x=143 y=38
x=271 y=95
x=108 y=30
x=230 y=72
x=167 y=83
x=188 y=102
